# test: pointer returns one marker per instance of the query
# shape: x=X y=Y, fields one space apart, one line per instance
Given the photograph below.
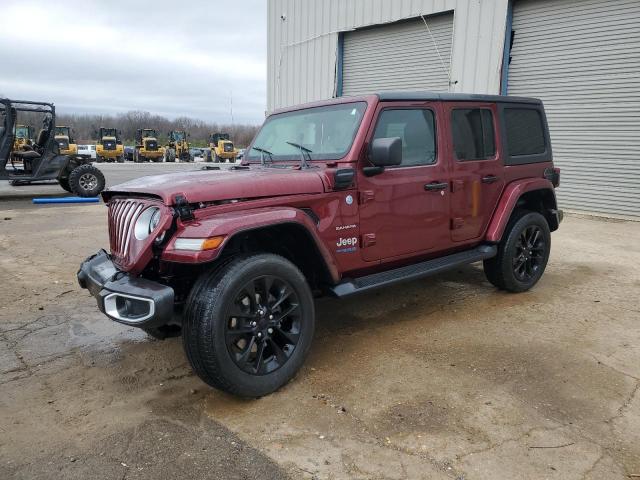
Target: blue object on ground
x=66 y=200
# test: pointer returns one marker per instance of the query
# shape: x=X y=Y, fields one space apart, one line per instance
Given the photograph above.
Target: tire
x=207 y=156
x=64 y=183
x=215 y=349
x=170 y=156
x=136 y=157
x=522 y=254
x=120 y=159
x=86 y=181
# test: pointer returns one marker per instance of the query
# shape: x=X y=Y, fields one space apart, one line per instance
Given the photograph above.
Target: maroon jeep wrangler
x=335 y=197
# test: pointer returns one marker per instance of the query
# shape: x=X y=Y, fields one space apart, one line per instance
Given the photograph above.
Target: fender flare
x=235 y=223
x=508 y=201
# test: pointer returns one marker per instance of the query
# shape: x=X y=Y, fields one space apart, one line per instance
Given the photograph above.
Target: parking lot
x=439 y=378
x=114 y=173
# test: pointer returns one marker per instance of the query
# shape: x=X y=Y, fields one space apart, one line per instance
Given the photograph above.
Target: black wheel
x=216 y=158
x=522 y=254
x=99 y=159
x=120 y=159
x=64 y=183
x=86 y=181
x=248 y=325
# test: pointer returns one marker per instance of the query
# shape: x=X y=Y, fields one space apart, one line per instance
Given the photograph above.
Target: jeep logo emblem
x=347 y=242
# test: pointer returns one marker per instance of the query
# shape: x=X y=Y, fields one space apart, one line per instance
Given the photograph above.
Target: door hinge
x=366 y=196
x=368 y=240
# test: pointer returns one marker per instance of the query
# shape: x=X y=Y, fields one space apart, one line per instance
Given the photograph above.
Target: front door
x=476 y=168
x=404 y=210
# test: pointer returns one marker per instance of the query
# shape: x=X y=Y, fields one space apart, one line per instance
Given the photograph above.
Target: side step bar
x=411 y=272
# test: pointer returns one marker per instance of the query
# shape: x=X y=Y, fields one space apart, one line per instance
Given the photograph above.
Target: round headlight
x=146 y=223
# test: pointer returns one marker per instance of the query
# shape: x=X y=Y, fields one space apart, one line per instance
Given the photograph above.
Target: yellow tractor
x=109 y=146
x=221 y=148
x=22 y=136
x=147 y=147
x=65 y=141
x=177 y=147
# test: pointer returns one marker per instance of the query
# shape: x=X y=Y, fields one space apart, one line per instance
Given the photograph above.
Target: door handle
x=436 y=186
x=489 y=179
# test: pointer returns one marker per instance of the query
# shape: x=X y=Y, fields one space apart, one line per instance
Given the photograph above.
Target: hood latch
x=183 y=208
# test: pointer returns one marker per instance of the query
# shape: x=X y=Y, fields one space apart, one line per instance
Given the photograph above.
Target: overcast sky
x=172 y=58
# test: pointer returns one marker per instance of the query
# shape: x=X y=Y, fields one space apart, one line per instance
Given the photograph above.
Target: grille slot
x=122 y=217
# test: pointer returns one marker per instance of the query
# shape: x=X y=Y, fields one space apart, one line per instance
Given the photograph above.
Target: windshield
x=62 y=131
x=108 y=132
x=326 y=133
x=149 y=133
x=178 y=136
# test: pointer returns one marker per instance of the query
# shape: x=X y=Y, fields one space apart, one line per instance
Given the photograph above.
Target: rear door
x=477 y=178
x=404 y=211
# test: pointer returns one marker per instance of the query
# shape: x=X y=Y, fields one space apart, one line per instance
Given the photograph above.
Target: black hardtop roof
x=453 y=97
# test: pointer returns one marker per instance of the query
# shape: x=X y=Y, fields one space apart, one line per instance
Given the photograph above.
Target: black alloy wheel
x=248 y=324
x=522 y=254
x=262 y=328
x=529 y=253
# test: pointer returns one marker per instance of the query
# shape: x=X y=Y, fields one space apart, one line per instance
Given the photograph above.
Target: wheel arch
x=537 y=195
x=289 y=232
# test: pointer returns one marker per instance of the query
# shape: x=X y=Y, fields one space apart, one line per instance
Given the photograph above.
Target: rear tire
x=99 y=159
x=86 y=181
x=248 y=325
x=120 y=159
x=522 y=254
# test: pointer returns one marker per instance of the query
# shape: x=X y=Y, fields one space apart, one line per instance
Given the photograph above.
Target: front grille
x=63 y=144
x=109 y=145
x=228 y=147
x=151 y=145
x=122 y=217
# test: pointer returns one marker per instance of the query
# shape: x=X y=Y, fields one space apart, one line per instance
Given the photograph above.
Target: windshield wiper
x=262 y=152
x=303 y=150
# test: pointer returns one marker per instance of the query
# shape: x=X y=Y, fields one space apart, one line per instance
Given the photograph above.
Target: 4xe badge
x=347 y=245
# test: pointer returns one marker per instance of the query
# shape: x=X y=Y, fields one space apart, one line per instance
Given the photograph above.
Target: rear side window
x=416 y=128
x=473 y=133
x=525 y=131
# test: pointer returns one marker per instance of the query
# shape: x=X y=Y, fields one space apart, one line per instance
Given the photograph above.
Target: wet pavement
x=440 y=378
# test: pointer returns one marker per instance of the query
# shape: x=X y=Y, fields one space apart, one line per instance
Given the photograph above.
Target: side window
x=473 y=134
x=525 y=132
x=416 y=128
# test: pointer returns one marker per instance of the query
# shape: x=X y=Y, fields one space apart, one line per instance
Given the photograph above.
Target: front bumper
x=125 y=299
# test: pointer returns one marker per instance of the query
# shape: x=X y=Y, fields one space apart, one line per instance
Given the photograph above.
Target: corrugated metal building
x=581 y=57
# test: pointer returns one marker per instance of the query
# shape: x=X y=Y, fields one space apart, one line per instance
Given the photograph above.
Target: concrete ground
x=114 y=173
x=444 y=378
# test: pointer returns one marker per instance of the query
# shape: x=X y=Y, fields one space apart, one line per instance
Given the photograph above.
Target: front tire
x=249 y=324
x=522 y=254
x=86 y=181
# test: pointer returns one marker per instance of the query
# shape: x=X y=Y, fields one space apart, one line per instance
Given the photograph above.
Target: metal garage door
x=582 y=58
x=401 y=56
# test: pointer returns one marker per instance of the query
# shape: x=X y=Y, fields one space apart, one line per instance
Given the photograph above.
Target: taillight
x=553 y=175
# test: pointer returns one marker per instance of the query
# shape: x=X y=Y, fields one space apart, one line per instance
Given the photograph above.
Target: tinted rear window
x=473 y=135
x=525 y=131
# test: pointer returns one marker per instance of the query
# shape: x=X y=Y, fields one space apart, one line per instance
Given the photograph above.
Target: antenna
x=231 y=105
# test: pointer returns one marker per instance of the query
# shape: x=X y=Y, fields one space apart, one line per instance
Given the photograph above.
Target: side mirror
x=386 y=152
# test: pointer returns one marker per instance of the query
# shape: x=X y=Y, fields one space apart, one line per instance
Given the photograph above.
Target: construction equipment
x=109 y=146
x=22 y=135
x=147 y=147
x=177 y=147
x=43 y=159
x=221 y=148
x=66 y=143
